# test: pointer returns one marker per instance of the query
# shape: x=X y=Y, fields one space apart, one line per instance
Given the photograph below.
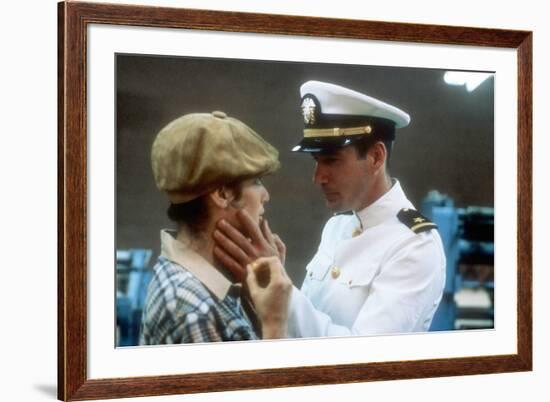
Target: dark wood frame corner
x=73 y=383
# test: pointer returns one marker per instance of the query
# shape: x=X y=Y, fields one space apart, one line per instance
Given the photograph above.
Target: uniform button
x=335 y=272
x=219 y=114
x=350 y=282
x=310 y=273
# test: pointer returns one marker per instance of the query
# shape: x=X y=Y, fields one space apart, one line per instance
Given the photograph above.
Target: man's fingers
x=232 y=237
x=230 y=264
x=279 y=243
x=231 y=248
x=281 y=248
x=250 y=227
x=266 y=231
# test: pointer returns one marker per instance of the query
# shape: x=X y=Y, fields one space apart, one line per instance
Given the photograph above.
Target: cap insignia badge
x=308 y=110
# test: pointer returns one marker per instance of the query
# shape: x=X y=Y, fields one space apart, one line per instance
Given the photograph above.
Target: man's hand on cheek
x=236 y=249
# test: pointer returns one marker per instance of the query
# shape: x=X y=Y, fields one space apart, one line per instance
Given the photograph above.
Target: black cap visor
x=325 y=144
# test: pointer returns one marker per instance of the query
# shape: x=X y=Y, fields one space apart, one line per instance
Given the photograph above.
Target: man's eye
x=326 y=160
x=258 y=181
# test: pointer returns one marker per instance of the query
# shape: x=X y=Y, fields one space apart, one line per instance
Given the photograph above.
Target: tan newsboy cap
x=198 y=152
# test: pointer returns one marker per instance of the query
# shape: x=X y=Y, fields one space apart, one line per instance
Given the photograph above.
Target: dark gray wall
x=448 y=146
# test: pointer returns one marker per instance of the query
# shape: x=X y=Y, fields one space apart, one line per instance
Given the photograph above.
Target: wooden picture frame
x=73 y=381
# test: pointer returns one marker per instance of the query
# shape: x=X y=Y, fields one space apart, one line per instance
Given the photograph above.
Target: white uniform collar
x=385 y=207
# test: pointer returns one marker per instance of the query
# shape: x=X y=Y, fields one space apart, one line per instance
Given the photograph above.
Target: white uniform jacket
x=371 y=275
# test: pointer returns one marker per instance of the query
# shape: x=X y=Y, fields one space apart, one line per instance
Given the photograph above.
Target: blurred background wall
x=448 y=146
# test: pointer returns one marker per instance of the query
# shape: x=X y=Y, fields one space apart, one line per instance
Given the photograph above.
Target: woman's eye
x=258 y=181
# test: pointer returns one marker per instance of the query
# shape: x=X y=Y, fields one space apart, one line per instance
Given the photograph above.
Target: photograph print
x=272 y=199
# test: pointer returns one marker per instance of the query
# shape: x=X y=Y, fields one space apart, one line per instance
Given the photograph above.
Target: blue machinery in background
x=132 y=278
x=468 y=239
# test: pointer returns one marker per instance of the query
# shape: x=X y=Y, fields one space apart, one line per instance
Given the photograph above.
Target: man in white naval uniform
x=372 y=274
x=380 y=268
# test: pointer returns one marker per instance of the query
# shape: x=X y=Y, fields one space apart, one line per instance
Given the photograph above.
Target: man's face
x=343 y=178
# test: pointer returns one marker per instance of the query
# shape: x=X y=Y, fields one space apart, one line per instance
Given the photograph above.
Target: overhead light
x=470 y=80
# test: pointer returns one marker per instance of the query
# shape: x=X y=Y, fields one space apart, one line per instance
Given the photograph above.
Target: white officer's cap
x=335 y=116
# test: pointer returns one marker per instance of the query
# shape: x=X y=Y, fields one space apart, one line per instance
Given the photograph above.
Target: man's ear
x=378 y=154
x=221 y=197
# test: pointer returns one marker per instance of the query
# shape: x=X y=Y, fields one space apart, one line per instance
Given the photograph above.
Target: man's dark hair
x=194 y=214
x=363 y=145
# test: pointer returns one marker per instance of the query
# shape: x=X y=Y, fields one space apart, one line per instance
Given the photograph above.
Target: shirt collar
x=385 y=207
x=179 y=252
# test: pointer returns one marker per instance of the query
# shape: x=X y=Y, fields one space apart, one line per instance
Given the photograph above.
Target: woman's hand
x=270 y=289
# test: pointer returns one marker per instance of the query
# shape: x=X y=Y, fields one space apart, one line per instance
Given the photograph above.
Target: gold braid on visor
x=336 y=132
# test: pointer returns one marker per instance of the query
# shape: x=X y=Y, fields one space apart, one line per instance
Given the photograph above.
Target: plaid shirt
x=189 y=301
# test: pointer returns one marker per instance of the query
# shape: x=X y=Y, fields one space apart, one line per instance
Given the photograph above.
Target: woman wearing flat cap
x=210 y=166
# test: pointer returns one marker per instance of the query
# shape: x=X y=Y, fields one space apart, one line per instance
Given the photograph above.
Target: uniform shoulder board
x=415 y=221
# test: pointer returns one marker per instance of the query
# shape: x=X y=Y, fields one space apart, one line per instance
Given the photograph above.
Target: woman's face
x=253 y=197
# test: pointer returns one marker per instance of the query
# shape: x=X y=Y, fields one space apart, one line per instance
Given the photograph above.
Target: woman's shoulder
x=180 y=289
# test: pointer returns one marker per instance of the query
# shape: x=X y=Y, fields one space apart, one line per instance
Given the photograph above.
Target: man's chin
x=335 y=206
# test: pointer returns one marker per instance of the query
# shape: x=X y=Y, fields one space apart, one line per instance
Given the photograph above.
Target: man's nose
x=319 y=175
